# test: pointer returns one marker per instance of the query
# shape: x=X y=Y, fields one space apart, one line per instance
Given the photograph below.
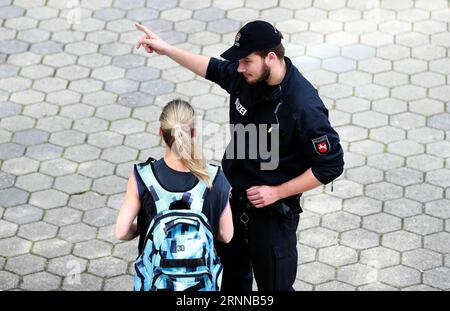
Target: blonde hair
x=177 y=121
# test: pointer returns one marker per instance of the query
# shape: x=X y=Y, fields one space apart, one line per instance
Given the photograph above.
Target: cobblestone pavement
x=79 y=106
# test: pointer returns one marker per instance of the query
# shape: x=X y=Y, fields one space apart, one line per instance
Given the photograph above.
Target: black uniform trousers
x=266 y=245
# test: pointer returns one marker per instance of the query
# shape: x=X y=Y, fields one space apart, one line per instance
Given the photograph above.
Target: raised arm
x=152 y=43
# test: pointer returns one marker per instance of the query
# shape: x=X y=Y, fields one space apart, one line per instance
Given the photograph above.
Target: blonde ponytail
x=178 y=123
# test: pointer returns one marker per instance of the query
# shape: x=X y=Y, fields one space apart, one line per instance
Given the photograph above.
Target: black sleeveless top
x=215 y=200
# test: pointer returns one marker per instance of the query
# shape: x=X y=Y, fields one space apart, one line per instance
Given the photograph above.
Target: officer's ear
x=271 y=57
x=160 y=132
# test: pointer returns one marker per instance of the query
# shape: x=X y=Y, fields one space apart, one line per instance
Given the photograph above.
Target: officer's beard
x=264 y=75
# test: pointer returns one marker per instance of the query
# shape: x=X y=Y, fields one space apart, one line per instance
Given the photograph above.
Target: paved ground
x=79 y=106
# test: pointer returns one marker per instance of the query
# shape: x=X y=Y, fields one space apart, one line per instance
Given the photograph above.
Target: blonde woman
x=183 y=196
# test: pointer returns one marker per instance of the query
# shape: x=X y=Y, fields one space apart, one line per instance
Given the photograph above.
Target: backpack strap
x=163 y=198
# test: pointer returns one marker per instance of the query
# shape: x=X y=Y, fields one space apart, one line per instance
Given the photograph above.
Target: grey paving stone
x=400 y=276
x=81 y=153
x=438 y=242
x=438 y=208
x=315 y=273
x=142 y=140
x=322 y=203
x=362 y=206
x=109 y=185
x=360 y=239
x=10 y=109
x=380 y=257
x=72 y=184
x=62 y=98
x=14 y=246
x=401 y=240
x=92 y=249
x=30 y=137
x=46 y=47
x=62 y=216
x=11 y=151
x=67 y=266
x=440 y=121
x=77 y=232
x=341 y=221
x=422 y=259
x=7 y=229
x=157 y=87
x=58 y=167
x=82 y=282
x=334 y=286
x=52 y=248
x=90 y=125
x=16 y=123
x=6 y=180
x=107 y=267
x=25 y=264
x=338 y=255
x=308 y=220
x=34 y=182
x=423 y=224
x=106 y=233
x=318 y=237
x=135 y=99
x=67 y=138
x=37 y=231
x=100 y=217
x=365 y=175
x=357 y=274
x=48 y=199
x=384 y=191
x=126 y=251
x=402 y=207
x=425 y=162
x=423 y=192
x=8 y=280
x=439 y=178
x=377 y=286
x=96 y=169
x=13 y=47
x=41 y=281
x=439 y=277
x=119 y=283
x=129 y=61
x=44 y=152
x=23 y=214
x=404 y=176
x=54 y=124
x=12 y=196
x=381 y=223
x=86 y=201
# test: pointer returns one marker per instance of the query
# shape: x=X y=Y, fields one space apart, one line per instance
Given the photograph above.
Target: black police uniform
x=265 y=238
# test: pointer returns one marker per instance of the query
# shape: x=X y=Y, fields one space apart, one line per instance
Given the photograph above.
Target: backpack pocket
x=183 y=282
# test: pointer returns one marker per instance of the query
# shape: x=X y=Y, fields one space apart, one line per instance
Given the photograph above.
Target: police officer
x=266 y=90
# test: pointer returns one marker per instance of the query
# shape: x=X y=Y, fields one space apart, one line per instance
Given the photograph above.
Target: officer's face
x=254 y=68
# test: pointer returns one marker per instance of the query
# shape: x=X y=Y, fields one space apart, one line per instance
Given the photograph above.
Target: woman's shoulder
x=220 y=182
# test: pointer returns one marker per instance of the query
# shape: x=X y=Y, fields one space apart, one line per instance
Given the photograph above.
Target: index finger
x=144 y=29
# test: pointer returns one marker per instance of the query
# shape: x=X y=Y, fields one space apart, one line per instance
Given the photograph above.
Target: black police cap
x=254 y=36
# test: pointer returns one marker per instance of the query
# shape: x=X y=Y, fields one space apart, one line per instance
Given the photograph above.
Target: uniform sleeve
x=224 y=73
x=320 y=139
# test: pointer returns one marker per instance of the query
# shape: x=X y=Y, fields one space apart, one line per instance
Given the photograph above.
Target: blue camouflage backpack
x=178 y=252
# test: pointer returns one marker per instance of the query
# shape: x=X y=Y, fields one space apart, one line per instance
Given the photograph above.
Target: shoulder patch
x=321 y=145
